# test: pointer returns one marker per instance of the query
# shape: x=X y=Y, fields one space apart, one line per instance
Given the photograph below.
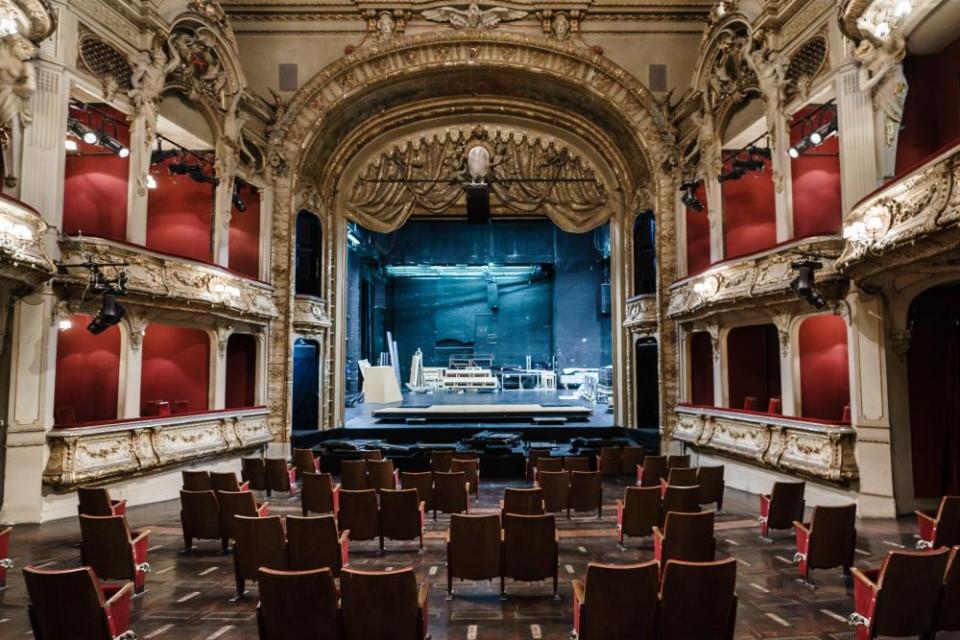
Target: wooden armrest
x=501 y=505
x=657 y=533
x=124 y=592
x=423 y=594
x=344 y=536
x=579 y=590
x=619 y=504
x=862 y=577
x=802 y=526
x=140 y=535
x=925 y=516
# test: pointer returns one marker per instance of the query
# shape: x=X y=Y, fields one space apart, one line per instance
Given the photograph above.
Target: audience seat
x=828 y=540
x=5 y=562
x=113 y=551
x=95 y=501
x=314 y=543
x=533 y=455
x=421 y=481
x=253 y=471
x=712 y=485
x=360 y=514
x=685 y=536
x=948 y=609
x=750 y=403
x=196 y=480
x=530 y=549
x=900 y=598
x=774 y=405
x=943 y=529
x=556 y=489
x=576 y=463
x=698 y=600
x=630 y=459
x=200 y=518
x=237 y=503
x=371 y=454
x=305 y=462
x=381 y=475
x=638 y=513
x=782 y=507
x=547 y=463
x=260 y=542
x=383 y=605
x=227 y=481
x=402 y=515
x=318 y=493
x=440 y=461
x=471 y=469
x=451 y=493
x=586 y=492
x=353 y=475
x=652 y=471
x=286 y=595
x=280 y=476
x=527 y=502
x=616 y=602
x=679 y=500
x=473 y=548
x=674 y=461
x=679 y=477
x=74 y=604
x=608 y=462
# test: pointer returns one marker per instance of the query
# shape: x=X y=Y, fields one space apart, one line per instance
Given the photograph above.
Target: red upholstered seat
x=698 y=600
x=638 y=513
x=359 y=513
x=280 y=476
x=750 y=403
x=73 y=604
x=774 y=406
x=471 y=470
x=200 y=518
x=783 y=506
x=685 y=536
x=942 y=529
x=5 y=562
x=653 y=469
x=95 y=501
x=113 y=551
x=630 y=459
x=712 y=485
x=616 y=602
x=318 y=493
x=353 y=475
x=451 y=493
x=305 y=462
x=828 y=540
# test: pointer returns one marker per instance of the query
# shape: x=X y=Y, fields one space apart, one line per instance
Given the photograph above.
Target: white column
x=715 y=214
x=222 y=212
x=858 y=173
x=32 y=373
x=43 y=154
x=721 y=386
x=141 y=149
x=681 y=231
x=782 y=174
x=260 y=383
x=131 y=366
x=684 y=393
x=218 y=369
x=788 y=374
x=266 y=232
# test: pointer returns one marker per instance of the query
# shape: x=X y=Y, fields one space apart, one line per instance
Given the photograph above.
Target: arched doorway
x=647 y=388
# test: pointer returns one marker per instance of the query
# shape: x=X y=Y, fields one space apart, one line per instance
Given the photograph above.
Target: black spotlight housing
x=804 y=284
x=750 y=164
x=238 y=202
x=111 y=312
x=735 y=173
x=763 y=152
x=689 y=197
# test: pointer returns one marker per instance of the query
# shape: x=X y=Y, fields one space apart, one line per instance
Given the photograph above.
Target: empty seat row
x=210 y=515
x=380 y=474
x=657 y=468
x=269 y=475
x=212 y=480
x=398 y=514
x=614 y=461
x=644 y=508
x=571 y=491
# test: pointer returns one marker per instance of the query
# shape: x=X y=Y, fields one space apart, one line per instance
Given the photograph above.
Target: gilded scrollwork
x=22 y=253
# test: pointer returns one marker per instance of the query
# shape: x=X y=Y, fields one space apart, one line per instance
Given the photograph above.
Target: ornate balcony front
x=168 y=282
x=793 y=445
x=641 y=315
x=83 y=455
x=22 y=254
x=310 y=315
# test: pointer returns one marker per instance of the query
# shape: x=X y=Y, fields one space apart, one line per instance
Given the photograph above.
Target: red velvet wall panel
x=933 y=365
x=817 y=208
x=698 y=235
x=753 y=364
x=824 y=367
x=749 y=213
x=95 y=180
x=931 y=115
x=701 y=369
x=180 y=213
x=88 y=373
x=245 y=235
x=176 y=366
x=241 y=370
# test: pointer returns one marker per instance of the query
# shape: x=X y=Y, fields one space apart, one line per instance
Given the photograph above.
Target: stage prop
x=380 y=384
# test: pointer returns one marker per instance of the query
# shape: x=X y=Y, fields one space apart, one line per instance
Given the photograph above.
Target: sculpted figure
x=150 y=71
x=17 y=79
x=881 y=73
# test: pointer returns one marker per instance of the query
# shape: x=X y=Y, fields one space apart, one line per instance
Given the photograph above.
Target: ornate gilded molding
x=162 y=281
x=95 y=454
x=310 y=315
x=779 y=443
x=913 y=219
x=641 y=315
x=22 y=253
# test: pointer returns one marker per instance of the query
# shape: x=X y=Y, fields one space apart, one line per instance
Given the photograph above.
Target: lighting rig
x=804 y=283
x=815 y=127
x=193 y=168
x=689 y=198
x=109 y=288
x=93 y=135
x=742 y=161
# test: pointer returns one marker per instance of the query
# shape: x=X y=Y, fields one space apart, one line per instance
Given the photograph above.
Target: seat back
x=948 y=522
x=609 y=461
x=948 y=615
x=260 y=542
x=750 y=403
x=379 y=605
x=200 y=514
x=254 y=471
x=586 y=490
x=909 y=590
x=682 y=476
x=353 y=475
x=448 y=491
x=677 y=461
x=707 y=588
x=832 y=536
x=94 y=501
x=641 y=511
x=286 y=595
x=400 y=514
x=786 y=504
x=359 y=513
x=654 y=470
x=473 y=550
x=313 y=543
x=304 y=461
x=556 y=489
x=196 y=480
x=711 y=484
x=380 y=475
x=234 y=503
x=529 y=546
x=688 y=536
x=620 y=601
x=549 y=463
x=316 y=491
x=533 y=455
x=277 y=473
x=528 y=502
x=681 y=499
x=440 y=460
x=66 y=604
x=630 y=457
x=576 y=463
x=224 y=481
x=774 y=405
x=105 y=546
x=422 y=482
x=470 y=468
x=372 y=454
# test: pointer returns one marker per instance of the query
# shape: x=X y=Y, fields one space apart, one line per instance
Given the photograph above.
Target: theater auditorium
x=479 y=319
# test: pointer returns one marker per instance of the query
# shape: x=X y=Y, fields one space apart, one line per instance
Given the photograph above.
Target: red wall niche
x=176 y=367
x=241 y=371
x=95 y=179
x=817 y=208
x=824 y=367
x=87 y=383
x=180 y=212
x=701 y=369
x=753 y=364
x=749 y=213
x=698 y=235
x=244 y=251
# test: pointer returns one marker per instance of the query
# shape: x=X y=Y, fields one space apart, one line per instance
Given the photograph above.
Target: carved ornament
x=22 y=253
x=641 y=313
x=473 y=17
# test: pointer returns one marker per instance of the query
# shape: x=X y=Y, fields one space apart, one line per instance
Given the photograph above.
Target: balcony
x=22 y=254
x=641 y=313
x=83 y=455
x=156 y=279
x=310 y=315
x=812 y=448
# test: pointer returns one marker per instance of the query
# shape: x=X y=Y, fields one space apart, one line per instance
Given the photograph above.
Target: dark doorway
x=647 y=383
x=644 y=254
x=306 y=385
x=309 y=255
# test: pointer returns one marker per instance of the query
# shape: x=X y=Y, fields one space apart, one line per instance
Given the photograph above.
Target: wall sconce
x=707 y=287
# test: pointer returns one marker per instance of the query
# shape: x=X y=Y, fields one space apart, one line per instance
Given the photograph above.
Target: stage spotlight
x=750 y=164
x=238 y=202
x=111 y=312
x=114 y=145
x=689 y=197
x=804 y=284
x=83 y=132
x=816 y=138
x=760 y=151
x=735 y=173
x=151 y=182
x=70 y=145
x=793 y=152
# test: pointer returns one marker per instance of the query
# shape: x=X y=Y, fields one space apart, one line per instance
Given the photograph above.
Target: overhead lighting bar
x=462 y=271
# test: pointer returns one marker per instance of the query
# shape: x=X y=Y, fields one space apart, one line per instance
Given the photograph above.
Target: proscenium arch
x=420 y=73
